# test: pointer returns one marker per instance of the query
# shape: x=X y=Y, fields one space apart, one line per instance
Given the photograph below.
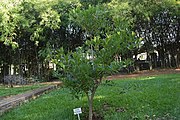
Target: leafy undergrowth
x=144 y=98
x=8 y=91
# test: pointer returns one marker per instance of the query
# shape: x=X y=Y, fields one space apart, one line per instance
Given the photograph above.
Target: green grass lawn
x=144 y=98
x=7 y=91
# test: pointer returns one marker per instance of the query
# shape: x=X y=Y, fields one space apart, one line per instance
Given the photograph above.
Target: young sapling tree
x=82 y=71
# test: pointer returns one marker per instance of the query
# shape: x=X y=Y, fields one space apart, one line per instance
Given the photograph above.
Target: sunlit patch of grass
x=141 y=98
x=148 y=78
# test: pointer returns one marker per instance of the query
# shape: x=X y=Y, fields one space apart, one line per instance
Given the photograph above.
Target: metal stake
x=78 y=117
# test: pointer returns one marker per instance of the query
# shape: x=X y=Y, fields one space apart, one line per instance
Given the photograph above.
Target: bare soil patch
x=145 y=73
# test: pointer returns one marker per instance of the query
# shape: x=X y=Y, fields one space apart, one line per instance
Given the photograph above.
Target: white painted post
x=78 y=116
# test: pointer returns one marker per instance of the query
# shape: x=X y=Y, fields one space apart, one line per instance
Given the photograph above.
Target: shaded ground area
x=144 y=73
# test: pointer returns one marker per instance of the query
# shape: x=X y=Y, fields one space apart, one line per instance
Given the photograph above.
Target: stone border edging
x=16 y=100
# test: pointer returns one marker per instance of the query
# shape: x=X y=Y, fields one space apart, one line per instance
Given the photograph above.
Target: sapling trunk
x=90 y=109
x=90 y=102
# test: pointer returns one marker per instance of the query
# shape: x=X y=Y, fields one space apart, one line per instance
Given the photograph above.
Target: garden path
x=15 y=100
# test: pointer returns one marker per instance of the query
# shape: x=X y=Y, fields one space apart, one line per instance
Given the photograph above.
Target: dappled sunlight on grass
x=147 y=78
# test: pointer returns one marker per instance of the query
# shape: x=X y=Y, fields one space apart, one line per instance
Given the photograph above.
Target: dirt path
x=145 y=73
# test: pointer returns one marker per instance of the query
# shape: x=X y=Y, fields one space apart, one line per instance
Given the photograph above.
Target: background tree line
x=32 y=30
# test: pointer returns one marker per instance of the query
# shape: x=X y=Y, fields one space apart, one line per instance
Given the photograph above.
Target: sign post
x=77 y=111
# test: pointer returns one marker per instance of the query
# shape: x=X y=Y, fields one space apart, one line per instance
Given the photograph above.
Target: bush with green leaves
x=83 y=70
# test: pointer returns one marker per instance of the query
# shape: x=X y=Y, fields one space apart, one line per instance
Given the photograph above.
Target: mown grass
x=156 y=98
x=7 y=91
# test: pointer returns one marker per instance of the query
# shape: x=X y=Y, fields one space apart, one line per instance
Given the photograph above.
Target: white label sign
x=77 y=111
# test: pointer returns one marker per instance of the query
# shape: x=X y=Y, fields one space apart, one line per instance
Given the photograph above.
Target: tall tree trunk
x=161 y=58
x=178 y=59
x=5 y=69
x=15 y=69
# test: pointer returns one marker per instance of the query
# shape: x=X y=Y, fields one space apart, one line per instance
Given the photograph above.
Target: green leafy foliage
x=84 y=69
x=32 y=16
x=93 y=19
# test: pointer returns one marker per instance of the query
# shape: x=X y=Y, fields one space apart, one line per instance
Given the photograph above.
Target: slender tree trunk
x=90 y=108
x=5 y=69
x=90 y=101
x=178 y=59
x=161 y=58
